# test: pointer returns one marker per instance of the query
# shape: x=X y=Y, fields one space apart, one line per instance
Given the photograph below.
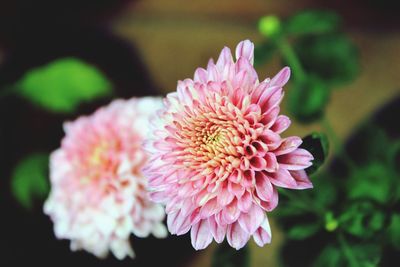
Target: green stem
x=291 y=58
x=338 y=145
x=347 y=250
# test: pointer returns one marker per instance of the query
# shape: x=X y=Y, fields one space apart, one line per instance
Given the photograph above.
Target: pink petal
x=230 y=213
x=270 y=138
x=282 y=178
x=281 y=124
x=178 y=224
x=224 y=197
x=271 y=203
x=290 y=179
x=251 y=220
x=269 y=118
x=248 y=179
x=272 y=163
x=224 y=58
x=263 y=234
x=244 y=203
x=200 y=75
x=288 y=145
x=258 y=163
x=263 y=187
x=236 y=189
x=217 y=231
x=210 y=208
x=260 y=90
x=260 y=147
x=271 y=102
x=281 y=78
x=236 y=236
x=200 y=235
x=301 y=177
x=296 y=160
x=245 y=49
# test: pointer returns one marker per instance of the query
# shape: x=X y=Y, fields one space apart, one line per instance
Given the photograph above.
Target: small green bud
x=331 y=224
x=269 y=26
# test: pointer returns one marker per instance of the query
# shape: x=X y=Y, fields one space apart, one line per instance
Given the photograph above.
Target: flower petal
x=296 y=160
x=200 y=235
x=251 y=220
x=245 y=49
x=236 y=236
x=263 y=234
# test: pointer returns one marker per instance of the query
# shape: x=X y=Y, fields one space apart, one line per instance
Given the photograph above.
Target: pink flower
x=98 y=196
x=217 y=154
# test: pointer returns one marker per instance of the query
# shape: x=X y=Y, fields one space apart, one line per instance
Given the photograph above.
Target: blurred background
x=128 y=48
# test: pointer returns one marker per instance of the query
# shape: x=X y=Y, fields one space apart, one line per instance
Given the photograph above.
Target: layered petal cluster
x=99 y=195
x=217 y=155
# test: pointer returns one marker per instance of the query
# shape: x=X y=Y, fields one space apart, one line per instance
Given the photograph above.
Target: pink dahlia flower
x=98 y=196
x=217 y=155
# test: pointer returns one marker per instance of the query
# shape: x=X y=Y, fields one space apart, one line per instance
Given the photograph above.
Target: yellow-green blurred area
x=144 y=47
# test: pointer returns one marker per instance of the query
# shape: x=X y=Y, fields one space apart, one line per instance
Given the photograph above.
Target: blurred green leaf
x=393 y=231
x=367 y=254
x=307 y=99
x=364 y=255
x=331 y=256
x=318 y=145
x=373 y=144
x=303 y=231
x=312 y=22
x=362 y=219
x=62 y=85
x=327 y=190
x=332 y=57
x=374 y=181
x=264 y=52
x=29 y=179
x=226 y=256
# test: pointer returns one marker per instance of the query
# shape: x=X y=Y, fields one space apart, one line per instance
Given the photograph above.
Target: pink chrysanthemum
x=98 y=196
x=217 y=154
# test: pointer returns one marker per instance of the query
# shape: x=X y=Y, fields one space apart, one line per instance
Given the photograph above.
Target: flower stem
x=338 y=145
x=347 y=250
x=291 y=58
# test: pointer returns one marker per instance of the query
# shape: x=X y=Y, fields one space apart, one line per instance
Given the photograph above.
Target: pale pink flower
x=98 y=196
x=217 y=154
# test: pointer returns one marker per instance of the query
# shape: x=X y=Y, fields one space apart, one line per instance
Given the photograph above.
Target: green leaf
x=393 y=231
x=62 y=85
x=264 y=52
x=362 y=219
x=307 y=99
x=332 y=57
x=226 y=256
x=312 y=22
x=29 y=179
x=318 y=145
x=331 y=256
x=303 y=231
x=374 y=181
x=364 y=255
x=326 y=191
